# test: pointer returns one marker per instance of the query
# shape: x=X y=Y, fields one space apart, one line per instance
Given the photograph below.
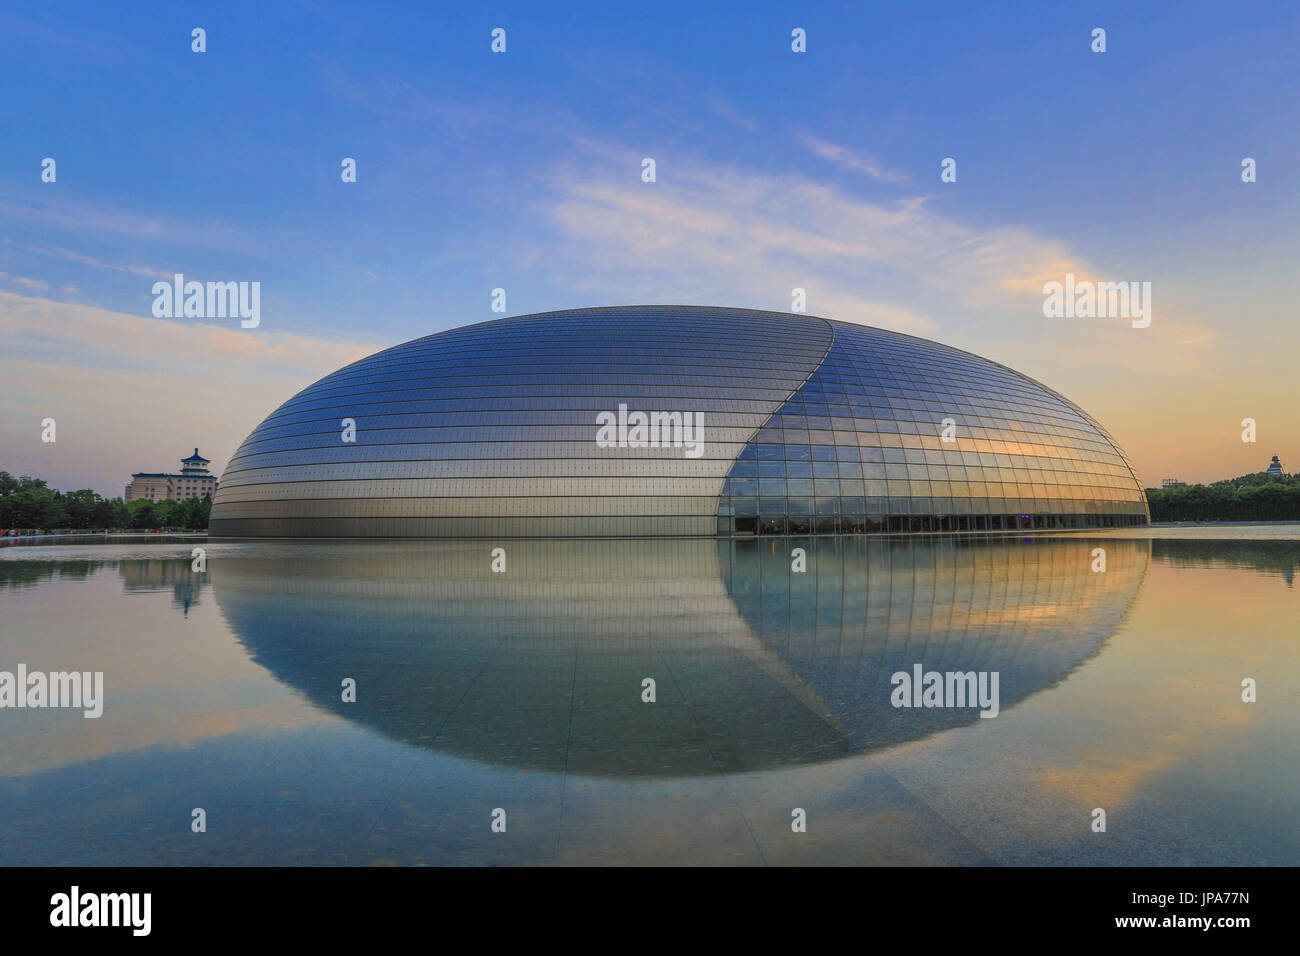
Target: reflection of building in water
x=868 y=608
x=754 y=666
x=159 y=574
x=1280 y=557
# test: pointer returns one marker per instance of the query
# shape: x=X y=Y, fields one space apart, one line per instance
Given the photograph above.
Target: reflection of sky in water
x=480 y=690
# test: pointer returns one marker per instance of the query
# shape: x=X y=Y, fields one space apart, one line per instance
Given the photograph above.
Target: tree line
x=29 y=504
x=1257 y=497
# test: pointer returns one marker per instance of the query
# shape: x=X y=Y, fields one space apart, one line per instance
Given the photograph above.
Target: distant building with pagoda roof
x=193 y=481
x=1274 y=467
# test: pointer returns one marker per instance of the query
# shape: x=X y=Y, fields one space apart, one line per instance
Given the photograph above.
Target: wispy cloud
x=71 y=255
x=716 y=233
x=23 y=281
x=82 y=218
x=852 y=160
x=128 y=392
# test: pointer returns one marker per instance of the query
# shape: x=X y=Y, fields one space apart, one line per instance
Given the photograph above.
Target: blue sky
x=522 y=170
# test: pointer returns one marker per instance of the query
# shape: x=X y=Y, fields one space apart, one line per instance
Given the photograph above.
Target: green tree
x=80 y=507
x=142 y=514
x=1257 y=497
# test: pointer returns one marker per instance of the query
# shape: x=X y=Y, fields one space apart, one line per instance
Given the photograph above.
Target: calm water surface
x=522 y=691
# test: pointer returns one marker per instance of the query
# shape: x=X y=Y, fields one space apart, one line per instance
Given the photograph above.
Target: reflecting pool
x=658 y=701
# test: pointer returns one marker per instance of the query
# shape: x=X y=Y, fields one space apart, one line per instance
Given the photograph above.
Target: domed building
x=673 y=420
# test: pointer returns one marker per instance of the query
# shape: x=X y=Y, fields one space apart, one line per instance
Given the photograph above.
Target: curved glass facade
x=897 y=433
x=805 y=426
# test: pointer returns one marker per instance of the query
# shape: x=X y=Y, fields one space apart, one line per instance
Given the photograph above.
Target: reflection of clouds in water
x=756 y=667
x=171 y=677
x=1153 y=731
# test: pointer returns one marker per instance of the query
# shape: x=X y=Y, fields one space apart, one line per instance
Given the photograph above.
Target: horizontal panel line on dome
x=718 y=364
x=576 y=407
x=916 y=449
x=454 y=528
x=679 y=391
x=499 y=486
x=764 y=354
x=549 y=327
x=1017 y=453
x=284 y=428
x=641 y=519
x=498 y=403
x=640 y=332
x=538 y=506
x=372 y=434
x=975 y=487
x=550 y=386
x=1015 y=420
x=436 y=390
x=484 y=385
x=1033 y=452
x=724 y=446
x=689 y=352
x=569 y=429
x=865 y=418
x=1079 y=475
x=874 y=433
x=447 y=453
x=1011 y=417
x=704 y=510
x=647 y=342
x=463 y=468
x=773 y=355
x=628 y=485
x=523 y=436
x=775 y=365
x=868 y=466
x=633 y=508
x=874 y=381
x=529 y=451
x=524 y=504
x=890 y=443
x=997 y=405
x=744 y=402
x=856 y=487
x=758 y=381
x=383 y=438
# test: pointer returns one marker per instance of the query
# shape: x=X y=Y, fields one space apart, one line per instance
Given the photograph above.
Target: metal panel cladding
x=808 y=427
x=491 y=430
